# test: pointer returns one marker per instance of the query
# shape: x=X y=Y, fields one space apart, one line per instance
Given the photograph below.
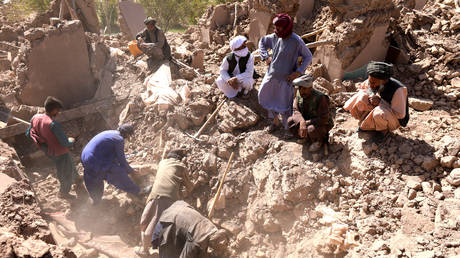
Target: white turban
x=237 y=41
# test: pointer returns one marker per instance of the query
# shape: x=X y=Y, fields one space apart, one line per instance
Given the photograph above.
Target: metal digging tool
x=195 y=137
x=5 y=114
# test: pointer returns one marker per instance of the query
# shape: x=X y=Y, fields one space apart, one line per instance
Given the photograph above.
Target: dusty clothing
x=165 y=191
x=390 y=114
x=103 y=158
x=314 y=109
x=170 y=176
x=244 y=74
x=44 y=131
x=157 y=45
x=150 y=217
x=276 y=93
x=49 y=136
x=182 y=232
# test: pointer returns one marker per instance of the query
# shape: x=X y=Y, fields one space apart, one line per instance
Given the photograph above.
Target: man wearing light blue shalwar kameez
x=276 y=93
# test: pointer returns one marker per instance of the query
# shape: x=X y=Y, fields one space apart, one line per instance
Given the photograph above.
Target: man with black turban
x=381 y=103
x=103 y=158
x=152 y=42
x=276 y=94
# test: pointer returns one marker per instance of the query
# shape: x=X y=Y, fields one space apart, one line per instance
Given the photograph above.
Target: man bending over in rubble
x=311 y=120
x=152 y=42
x=237 y=69
x=276 y=93
x=171 y=175
x=183 y=232
x=49 y=137
x=381 y=103
x=103 y=158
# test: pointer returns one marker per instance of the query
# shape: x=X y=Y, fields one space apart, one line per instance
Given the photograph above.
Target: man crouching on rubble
x=310 y=119
x=103 y=158
x=171 y=175
x=152 y=42
x=381 y=104
x=183 y=232
x=49 y=137
x=237 y=69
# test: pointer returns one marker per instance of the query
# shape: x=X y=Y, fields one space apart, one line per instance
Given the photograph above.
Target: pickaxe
x=195 y=137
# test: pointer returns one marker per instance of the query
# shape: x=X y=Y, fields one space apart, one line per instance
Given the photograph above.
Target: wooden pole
x=313 y=33
x=319 y=43
x=216 y=197
x=209 y=119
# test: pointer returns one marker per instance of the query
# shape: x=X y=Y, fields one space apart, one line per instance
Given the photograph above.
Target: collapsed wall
x=58 y=61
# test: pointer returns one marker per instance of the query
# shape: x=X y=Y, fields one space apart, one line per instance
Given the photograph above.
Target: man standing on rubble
x=152 y=42
x=103 y=158
x=381 y=104
x=310 y=120
x=171 y=175
x=49 y=136
x=237 y=69
x=183 y=232
x=276 y=93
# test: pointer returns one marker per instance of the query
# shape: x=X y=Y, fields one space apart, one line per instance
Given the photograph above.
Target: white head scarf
x=236 y=42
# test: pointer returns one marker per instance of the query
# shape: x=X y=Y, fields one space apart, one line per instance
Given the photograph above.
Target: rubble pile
x=280 y=198
x=23 y=231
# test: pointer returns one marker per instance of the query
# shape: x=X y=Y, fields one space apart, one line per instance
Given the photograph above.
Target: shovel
x=195 y=137
x=5 y=114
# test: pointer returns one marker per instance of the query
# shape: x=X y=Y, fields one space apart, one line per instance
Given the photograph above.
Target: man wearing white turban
x=237 y=69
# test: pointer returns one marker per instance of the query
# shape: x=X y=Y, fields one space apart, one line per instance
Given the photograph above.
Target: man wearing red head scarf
x=276 y=93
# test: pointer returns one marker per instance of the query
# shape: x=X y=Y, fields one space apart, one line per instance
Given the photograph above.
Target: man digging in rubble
x=276 y=93
x=49 y=136
x=381 y=104
x=171 y=175
x=237 y=69
x=310 y=120
x=152 y=42
x=103 y=158
x=183 y=232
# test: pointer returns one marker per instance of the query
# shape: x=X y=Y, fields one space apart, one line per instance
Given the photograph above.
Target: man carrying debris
x=171 y=175
x=237 y=69
x=311 y=120
x=184 y=232
x=152 y=42
x=49 y=136
x=381 y=104
x=276 y=93
x=103 y=158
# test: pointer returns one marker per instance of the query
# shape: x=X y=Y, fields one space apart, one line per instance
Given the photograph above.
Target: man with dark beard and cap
x=276 y=93
x=310 y=120
x=152 y=42
x=381 y=103
x=103 y=158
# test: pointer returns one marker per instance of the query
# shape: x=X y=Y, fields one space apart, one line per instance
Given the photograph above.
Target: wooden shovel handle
x=216 y=197
x=209 y=119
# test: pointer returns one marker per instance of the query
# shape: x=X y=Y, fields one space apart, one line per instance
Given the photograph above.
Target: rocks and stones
x=420 y=104
x=236 y=116
x=454 y=177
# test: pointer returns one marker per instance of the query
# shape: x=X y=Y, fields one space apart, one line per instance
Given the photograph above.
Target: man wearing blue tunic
x=103 y=158
x=276 y=93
